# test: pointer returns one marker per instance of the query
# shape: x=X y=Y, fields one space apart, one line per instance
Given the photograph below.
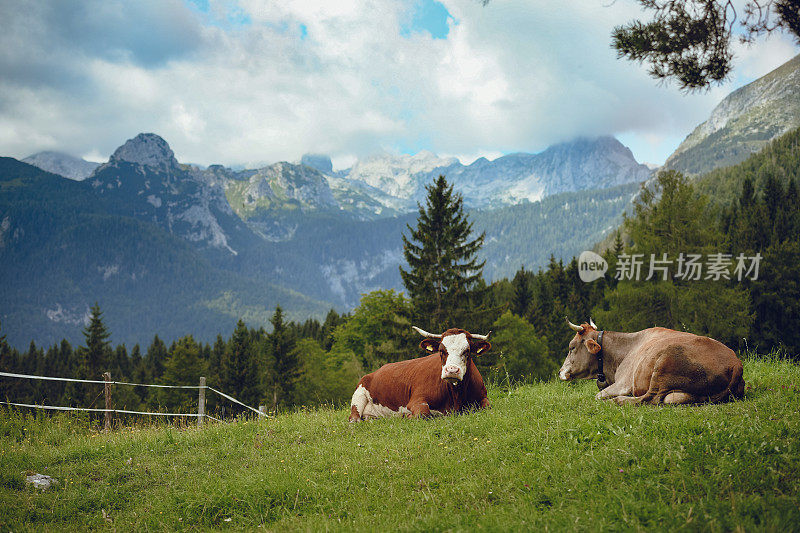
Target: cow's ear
x=480 y=347
x=592 y=346
x=430 y=345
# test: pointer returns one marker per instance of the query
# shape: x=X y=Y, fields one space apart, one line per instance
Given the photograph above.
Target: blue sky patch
x=430 y=16
x=233 y=17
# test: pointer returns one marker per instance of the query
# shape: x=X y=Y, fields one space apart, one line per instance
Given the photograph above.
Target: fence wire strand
x=234 y=400
x=97 y=410
x=99 y=382
x=122 y=411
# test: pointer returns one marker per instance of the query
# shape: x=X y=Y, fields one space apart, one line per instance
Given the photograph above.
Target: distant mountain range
x=173 y=249
x=743 y=122
x=384 y=184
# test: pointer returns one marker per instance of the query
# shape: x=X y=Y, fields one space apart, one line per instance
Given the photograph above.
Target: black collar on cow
x=601 y=378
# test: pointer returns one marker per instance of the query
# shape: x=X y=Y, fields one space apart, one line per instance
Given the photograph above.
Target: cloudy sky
x=257 y=81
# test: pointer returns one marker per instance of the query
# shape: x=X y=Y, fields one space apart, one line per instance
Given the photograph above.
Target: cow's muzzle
x=451 y=374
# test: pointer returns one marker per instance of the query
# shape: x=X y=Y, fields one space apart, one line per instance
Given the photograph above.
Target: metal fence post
x=201 y=401
x=107 y=390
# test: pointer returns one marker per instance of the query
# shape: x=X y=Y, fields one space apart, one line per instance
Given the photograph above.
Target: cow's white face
x=456 y=349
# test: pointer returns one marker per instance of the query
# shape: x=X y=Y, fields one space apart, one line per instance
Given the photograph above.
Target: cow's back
x=391 y=385
x=710 y=368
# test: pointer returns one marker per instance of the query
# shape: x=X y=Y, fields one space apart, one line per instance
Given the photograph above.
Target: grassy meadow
x=545 y=457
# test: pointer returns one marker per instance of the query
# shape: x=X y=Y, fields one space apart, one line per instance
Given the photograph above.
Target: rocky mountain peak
x=743 y=122
x=146 y=149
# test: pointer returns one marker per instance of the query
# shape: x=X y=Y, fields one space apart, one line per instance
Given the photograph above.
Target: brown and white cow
x=447 y=381
x=655 y=365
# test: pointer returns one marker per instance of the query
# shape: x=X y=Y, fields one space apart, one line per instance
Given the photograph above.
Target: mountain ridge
x=743 y=122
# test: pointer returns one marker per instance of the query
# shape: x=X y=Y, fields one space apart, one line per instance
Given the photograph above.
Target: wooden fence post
x=107 y=390
x=262 y=409
x=201 y=402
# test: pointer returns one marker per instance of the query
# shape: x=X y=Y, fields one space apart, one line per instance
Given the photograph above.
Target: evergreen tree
x=776 y=299
x=215 y=360
x=120 y=366
x=443 y=267
x=95 y=357
x=184 y=367
x=239 y=367
x=690 y=40
x=523 y=294
x=773 y=198
x=619 y=246
x=155 y=358
x=286 y=366
x=138 y=372
x=332 y=321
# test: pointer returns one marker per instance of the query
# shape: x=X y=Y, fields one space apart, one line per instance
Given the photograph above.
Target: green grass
x=546 y=457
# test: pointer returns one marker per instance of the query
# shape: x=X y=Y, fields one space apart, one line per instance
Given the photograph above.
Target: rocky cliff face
x=146 y=149
x=144 y=180
x=62 y=164
x=743 y=122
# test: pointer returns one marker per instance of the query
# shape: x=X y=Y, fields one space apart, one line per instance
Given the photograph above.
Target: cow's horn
x=573 y=326
x=591 y=323
x=425 y=333
x=482 y=337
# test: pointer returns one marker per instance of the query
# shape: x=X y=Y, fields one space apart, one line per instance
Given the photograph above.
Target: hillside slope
x=743 y=122
x=780 y=158
x=63 y=248
x=545 y=457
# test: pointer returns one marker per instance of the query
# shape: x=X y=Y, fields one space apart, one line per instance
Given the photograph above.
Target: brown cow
x=655 y=365
x=447 y=381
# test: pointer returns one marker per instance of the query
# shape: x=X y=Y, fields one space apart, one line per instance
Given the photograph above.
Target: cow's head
x=581 y=361
x=455 y=346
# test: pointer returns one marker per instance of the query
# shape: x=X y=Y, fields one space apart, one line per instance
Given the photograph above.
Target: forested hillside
x=779 y=160
x=561 y=225
x=62 y=248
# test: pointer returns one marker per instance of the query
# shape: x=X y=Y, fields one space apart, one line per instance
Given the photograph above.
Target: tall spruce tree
x=239 y=366
x=184 y=367
x=444 y=272
x=95 y=357
x=285 y=364
x=523 y=293
x=155 y=358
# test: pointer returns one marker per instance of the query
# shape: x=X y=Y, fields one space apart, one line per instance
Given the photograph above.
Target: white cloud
x=514 y=75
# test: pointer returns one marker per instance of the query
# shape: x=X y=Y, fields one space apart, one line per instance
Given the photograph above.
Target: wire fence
x=201 y=388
